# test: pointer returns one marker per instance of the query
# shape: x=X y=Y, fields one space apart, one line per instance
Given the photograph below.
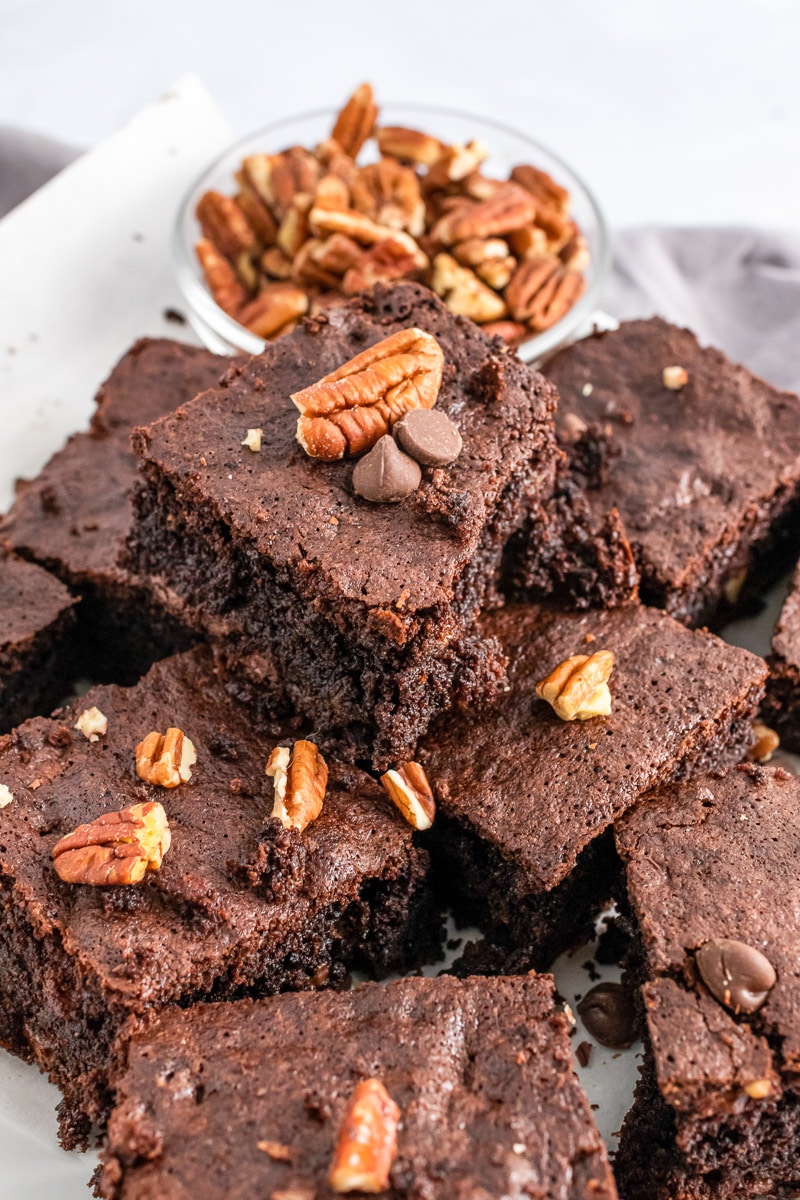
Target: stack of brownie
x=337 y=693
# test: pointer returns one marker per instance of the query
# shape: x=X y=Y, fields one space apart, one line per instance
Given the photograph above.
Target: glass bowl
x=507 y=148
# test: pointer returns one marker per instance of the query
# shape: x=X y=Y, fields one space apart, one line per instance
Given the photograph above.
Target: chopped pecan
x=541 y=292
x=253 y=440
x=346 y=412
x=293 y=229
x=165 y=759
x=337 y=254
x=675 y=378
x=508 y=209
x=277 y=1151
x=300 y=778
x=541 y=186
x=455 y=163
x=577 y=689
x=116 y=848
x=409 y=789
x=6 y=795
x=765 y=744
x=275 y=306
x=220 y=277
x=356 y=120
x=92 y=724
x=464 y=293
x=367 y=1142
x=389 y=193
x=409 y=145
x=512 y=332
x=380 y=263
x=224 y=224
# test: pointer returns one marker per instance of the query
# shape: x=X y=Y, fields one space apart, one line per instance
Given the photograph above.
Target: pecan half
x=116 y=848
x=463 y=292
x=273 y=308
x=380 y=263
x=165 y=759
x=337 y=254
x=475 y=251
x=508 y=209
x=577 y=689
x=541 y=292
x=541 y=186
x=220 y=277
x=356 y=120
x=275 y=263
x=300 y=779
x=409 y=145
x=224 y=224
x=367 y=1142
x=258 y=215
x=389 y=193
x=293 y=229
x=455 y=163
x=409 y=789
x=333 y=193
x=346 y=412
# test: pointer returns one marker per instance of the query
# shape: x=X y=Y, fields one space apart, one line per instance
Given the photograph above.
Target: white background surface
x=685 y=112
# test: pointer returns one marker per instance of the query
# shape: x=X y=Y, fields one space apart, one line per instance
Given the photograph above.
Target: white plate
x=87 y=270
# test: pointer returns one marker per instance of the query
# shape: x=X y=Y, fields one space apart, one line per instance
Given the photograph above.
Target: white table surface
x=681 y=113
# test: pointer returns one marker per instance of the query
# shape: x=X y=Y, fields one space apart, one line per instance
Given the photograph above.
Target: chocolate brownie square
x=781 y=708
x=249 y=1099
x=36 y=651
x=361 y=615
x=705 y=475
x=712 y=880
x=75 y=516
x=239 y=906
x=526 y=799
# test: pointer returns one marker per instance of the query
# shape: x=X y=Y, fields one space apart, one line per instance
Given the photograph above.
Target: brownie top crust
x=538 y=788
x=716 y=858
x=233 y=886
x=30 y=601
x=480 y=1069
x=302 y=515
x=76 y=514
x=786 y=639
x=682 y=466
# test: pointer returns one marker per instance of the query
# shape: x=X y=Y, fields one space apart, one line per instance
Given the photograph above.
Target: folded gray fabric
x=738 y=289
x=27 y=160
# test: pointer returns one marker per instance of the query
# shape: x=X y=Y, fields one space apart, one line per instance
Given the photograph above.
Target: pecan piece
x=455 y=163
x=541 y=292
x=410 y=791
x=541 y=186
x=346 y=412
x=332 y=193
x=300 y=778
x=6 y=795
x=275 y=263
x=116 y=848
x=306 y=269
x=575 y=251
x=165 y=759
x=356 y=120
x=475 y=251
x=220 y=277
x=577 y=689
x=293 y=229
x=380 y=263
x=224 y=224
x=765 y=744
x=92 y=724
x=259 y=216
x=409 y=145
x=464 y=293
x=675 y=378
x=509 y=208
x=530 y=242
x=275 y=306
x=337 y=254
x=512 y=332
x=278 y=178
x=367 y=1142
x=389 y=193
x=361 y=229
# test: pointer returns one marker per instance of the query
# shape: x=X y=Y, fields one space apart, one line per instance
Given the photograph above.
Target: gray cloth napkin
x=738 y=289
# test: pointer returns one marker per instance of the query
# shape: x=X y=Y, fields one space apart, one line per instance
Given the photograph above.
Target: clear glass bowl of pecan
x=291 y=219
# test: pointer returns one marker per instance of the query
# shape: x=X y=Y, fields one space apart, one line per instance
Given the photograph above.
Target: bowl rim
x=220 y=325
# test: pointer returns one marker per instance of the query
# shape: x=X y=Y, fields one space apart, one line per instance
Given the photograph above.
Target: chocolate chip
x=583 y=1052
x=429 y=436
x=737 y=975
x=386 y=475
x=608 y=1013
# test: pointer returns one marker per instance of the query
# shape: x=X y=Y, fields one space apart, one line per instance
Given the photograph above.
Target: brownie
x=706 y=477
x=525 y=798
x=781 y=708
x=240 y=905
x=248 y=1099
x=36 y=650
x=74 y=518
x=361 y=615
x=717 y=1113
